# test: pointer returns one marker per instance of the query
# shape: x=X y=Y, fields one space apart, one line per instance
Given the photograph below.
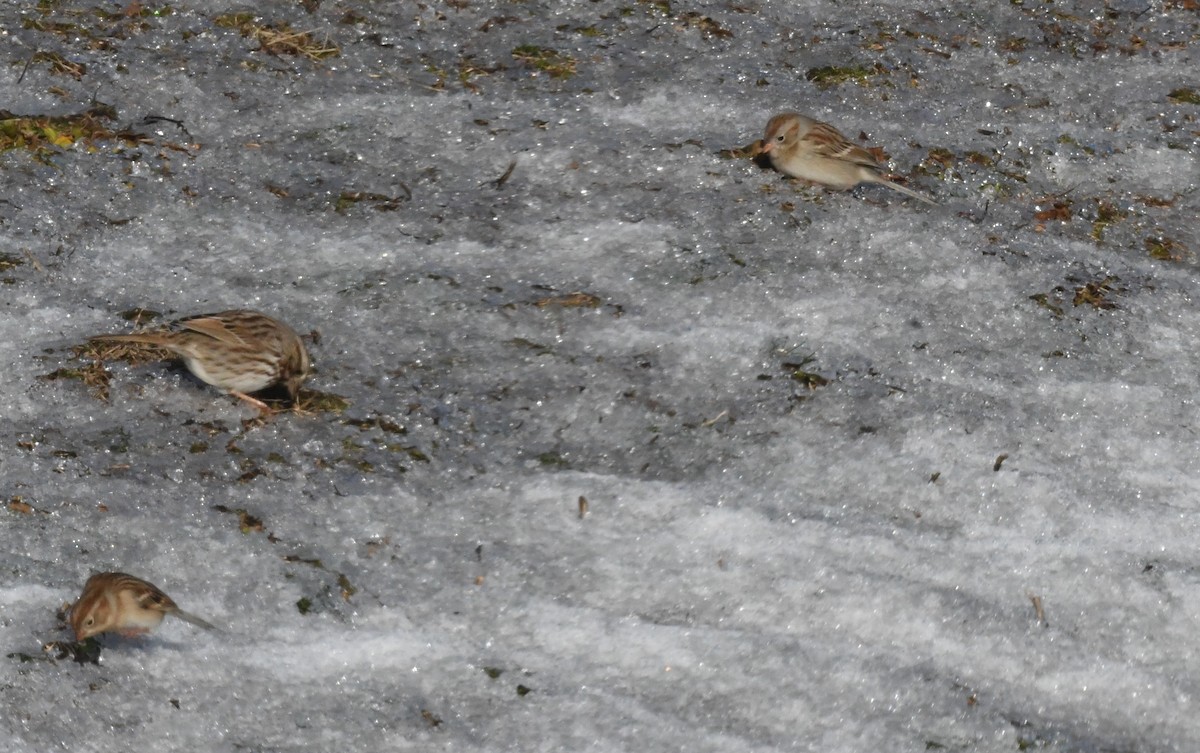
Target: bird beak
x=767 y=146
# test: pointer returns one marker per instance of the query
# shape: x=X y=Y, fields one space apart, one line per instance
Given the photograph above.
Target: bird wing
x=828 y=142
x=213 y=326
x=847 y=152
x=152 y=598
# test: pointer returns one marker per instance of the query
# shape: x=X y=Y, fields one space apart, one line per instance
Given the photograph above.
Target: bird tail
x=189 y=617
x=907 y=191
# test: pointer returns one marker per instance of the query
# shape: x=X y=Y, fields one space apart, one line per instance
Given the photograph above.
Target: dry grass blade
x=94 y=376
x=570 y=301
x=134 y=354
x=282 y=40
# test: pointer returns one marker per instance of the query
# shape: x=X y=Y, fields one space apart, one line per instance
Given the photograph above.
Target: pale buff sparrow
x=239 y=351
x=811 y=150
x=116 y=602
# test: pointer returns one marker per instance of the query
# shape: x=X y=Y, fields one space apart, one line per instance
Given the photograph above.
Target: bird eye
x=89 y=621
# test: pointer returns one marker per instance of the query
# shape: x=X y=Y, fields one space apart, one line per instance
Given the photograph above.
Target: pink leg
x=263 y=408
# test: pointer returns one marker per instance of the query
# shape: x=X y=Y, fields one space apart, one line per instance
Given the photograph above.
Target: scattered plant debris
x=799 y=372
x=570 y=301
x=544 y=59
x=1043 y=300
x=81 y=652
x=44 y=135
x=279 y=39
x=312 y=401
x=1164 y=249
x=247 y=523
x=379 y=202
x=1052 y=209
x=1096 y=292
x=60 y=65
x=827 y=77
x=1184 y=95
x=94 y=376
x=1107 y=215
x=708 y=28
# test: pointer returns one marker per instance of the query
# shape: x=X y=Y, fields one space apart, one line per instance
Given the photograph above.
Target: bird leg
x=263 y=408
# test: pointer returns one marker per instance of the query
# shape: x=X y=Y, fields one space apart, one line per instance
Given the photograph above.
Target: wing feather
x=829 y=142
x=213 y=326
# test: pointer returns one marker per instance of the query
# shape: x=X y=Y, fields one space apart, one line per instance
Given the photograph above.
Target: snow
x=978 y=535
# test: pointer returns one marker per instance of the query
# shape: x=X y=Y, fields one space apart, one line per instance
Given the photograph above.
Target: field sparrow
x=116 y=602
x=811 y=150
x=239 y=351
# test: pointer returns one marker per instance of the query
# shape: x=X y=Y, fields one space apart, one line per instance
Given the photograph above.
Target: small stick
x=499 y=182
x=1038 y=609
x=28 y=62
x=33 y=260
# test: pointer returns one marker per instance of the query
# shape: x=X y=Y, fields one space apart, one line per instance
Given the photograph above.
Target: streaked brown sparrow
x=811 y=150
x=239 y=351
x=121 y=603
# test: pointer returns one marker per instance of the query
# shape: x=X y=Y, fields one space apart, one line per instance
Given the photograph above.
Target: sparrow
x=239 y=351
x=811 y=150
x=124 y=604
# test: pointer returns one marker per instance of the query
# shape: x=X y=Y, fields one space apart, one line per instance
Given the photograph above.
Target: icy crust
x=617 y=439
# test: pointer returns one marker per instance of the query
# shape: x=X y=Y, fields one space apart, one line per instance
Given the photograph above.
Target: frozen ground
x=861 y=475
